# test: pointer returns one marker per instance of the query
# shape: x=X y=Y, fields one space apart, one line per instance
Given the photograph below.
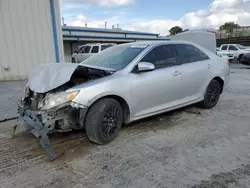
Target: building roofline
x=97 y=30
x=110 y=37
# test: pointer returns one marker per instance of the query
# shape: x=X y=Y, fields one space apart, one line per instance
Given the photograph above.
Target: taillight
x=244 y=55
x=228 y=62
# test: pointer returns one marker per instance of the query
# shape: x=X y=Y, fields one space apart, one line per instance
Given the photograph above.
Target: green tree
x=229 y=27
x=175 y=30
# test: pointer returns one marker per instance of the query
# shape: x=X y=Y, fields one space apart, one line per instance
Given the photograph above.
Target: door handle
x=209 y=66
x=176 y=73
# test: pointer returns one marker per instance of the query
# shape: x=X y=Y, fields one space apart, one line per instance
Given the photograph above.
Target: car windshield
x=116 y=57
x=240 y=46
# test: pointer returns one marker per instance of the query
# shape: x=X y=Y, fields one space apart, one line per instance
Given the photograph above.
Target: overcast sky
x=156 y=16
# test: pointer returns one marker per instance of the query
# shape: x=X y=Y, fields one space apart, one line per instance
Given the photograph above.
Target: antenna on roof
x=105 y=25
x=86 y=25
x=113 y=27
x=117 y=26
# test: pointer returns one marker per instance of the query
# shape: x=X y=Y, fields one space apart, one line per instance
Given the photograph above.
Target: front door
x=83 y=54
x=159 y=89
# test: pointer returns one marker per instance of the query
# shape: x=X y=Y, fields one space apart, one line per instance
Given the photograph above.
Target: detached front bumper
x=42 y=122
x=37 y=129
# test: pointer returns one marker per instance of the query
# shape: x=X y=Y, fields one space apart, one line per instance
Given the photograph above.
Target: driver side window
x=162 y=56
x=224 y=47
x=81 y=50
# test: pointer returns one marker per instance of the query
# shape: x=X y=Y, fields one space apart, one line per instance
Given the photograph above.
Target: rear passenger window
x=224 y=47
x=162 y=56
x=95 y=49
x=232 y=48
x=188 y=53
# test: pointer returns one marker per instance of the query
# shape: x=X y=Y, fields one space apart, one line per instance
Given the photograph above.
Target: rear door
x=196 y=70
x=232 y=50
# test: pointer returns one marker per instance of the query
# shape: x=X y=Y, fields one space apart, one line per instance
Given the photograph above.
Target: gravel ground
x=191 y=147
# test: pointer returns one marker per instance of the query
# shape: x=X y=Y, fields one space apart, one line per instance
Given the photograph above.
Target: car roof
x=152 y=43
x=95 y=44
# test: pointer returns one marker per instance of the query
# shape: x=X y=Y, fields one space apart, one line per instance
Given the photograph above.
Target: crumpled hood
x=50 y=76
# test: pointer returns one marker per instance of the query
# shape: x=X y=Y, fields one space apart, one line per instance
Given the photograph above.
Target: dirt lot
x=187 y=148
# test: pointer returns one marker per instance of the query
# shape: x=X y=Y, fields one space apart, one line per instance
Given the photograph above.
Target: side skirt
x=165 y=110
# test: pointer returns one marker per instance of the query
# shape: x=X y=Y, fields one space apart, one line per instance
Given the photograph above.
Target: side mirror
x=76 y=51
x=145 y=66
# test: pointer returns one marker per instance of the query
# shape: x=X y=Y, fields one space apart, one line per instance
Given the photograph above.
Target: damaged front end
x=52 y=108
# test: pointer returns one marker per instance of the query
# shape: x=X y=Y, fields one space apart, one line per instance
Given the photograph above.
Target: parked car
x=121 y=84
x=88 y=50
x=233 y=51
x=245 y=60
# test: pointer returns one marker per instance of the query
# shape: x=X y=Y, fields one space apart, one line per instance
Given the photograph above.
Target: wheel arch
x=123 y=103
x=240 y=56
x=221 y=82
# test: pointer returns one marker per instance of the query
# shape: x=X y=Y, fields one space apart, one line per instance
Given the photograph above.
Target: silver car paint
x=157 y=91
x=52 y=75
x=49 y=76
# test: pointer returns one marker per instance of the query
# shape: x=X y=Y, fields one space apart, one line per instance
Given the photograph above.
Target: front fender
x=89 y=100
x=89 y=93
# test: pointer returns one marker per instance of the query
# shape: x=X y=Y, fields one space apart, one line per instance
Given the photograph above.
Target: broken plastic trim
x=37 y=130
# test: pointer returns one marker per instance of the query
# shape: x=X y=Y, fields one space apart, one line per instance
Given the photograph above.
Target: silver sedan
x=122 y=84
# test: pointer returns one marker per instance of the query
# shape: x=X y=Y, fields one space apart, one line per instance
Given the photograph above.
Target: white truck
x=233 y=51
x=87 y=50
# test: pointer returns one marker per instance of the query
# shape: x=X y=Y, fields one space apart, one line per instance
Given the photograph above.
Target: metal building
x=30 y=34
x=73 y=37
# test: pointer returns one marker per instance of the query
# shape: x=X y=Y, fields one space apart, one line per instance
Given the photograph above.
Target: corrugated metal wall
x=26 y=36
x=67 y=52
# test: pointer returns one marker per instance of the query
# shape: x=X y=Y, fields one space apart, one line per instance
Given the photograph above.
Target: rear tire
x=104 y=120
x=212 y=95
x=240 y=57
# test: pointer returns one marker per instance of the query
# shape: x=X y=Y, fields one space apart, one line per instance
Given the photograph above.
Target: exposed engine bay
x=54 y=111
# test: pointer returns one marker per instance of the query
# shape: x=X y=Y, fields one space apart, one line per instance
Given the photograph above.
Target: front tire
x=212 y=95
x=104 y=120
